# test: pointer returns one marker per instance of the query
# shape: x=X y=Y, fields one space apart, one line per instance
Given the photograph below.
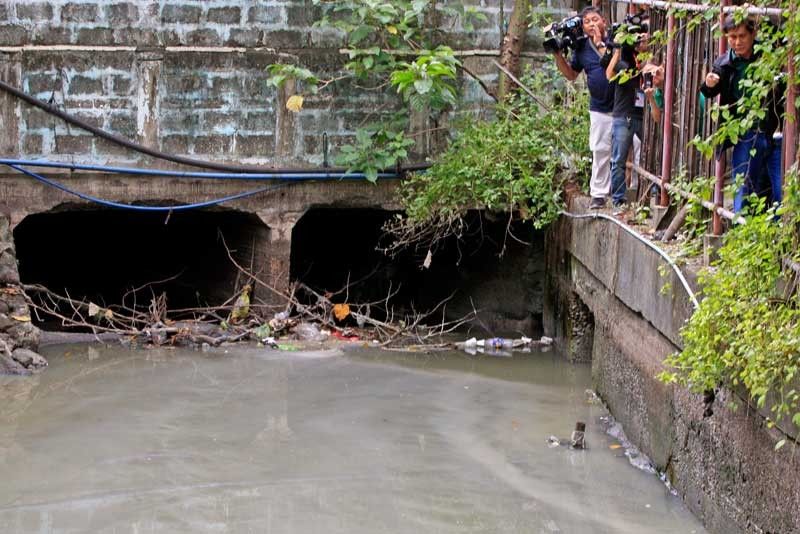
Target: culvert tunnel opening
x=100 y=255
x=337 y=248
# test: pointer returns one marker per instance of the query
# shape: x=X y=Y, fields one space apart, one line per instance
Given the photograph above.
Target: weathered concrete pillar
x=148 y=69
x=11 y=73
x=278 y=255
x=285 y=123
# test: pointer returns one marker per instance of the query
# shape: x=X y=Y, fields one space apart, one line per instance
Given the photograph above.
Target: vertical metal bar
x=790 y=123
x=719 y=168
x=669 y=94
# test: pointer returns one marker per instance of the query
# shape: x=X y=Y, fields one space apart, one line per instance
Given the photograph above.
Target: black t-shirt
x=628 y=96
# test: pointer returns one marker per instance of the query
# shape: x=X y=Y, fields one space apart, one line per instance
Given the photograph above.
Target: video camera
x=567 y=33
x=635 y=23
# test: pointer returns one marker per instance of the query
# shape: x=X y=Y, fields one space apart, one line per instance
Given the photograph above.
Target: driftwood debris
x=149 y=321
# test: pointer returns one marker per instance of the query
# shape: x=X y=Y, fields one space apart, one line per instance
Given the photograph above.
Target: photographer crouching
x=586 y=36
x=624 y=67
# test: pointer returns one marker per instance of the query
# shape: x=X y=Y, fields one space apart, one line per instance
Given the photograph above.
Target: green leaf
x=423 y=86
x=359 y=34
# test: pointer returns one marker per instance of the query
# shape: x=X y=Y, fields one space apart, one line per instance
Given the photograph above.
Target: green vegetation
x=746 y=333
x=515 y=164
x=389 y=45
x=747 y=329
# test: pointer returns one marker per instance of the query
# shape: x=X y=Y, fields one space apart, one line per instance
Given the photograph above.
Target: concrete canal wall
x=604 y=300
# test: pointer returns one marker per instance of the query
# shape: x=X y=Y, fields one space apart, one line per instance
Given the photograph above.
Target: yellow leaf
x=22 y=318
x=615 y=446
x=109 y=314
x=340 y=311
x=391 y=29
x=295 y=103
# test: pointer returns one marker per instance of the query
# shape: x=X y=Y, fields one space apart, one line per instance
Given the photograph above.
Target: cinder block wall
x=188 y=77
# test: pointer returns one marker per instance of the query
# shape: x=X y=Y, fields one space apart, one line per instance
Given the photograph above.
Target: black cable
x=127 y=143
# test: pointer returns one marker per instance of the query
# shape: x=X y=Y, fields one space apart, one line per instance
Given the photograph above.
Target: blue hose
x=112 y=204
x=288 y=178
x=298 y=176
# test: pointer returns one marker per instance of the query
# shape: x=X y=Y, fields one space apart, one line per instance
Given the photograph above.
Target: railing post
x=790 y=123
x=719 y=167
x=669 y=95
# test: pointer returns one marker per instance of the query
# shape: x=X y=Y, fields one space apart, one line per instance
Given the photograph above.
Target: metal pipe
x=790 y=123
x=722 y=212
x=332 y=175
x=719 y=165
x=683 y=6
x=121 y=141
x=669 y=95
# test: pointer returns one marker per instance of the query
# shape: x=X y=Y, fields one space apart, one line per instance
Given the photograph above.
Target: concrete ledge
x=723 y=466
x=631 y=271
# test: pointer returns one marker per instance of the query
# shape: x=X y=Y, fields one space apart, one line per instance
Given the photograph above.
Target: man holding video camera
x=587 y=50
x=623 y=66
x=757 y=153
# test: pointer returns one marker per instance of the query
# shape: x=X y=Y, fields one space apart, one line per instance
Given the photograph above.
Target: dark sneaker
x=597 y=203
x=618 y=208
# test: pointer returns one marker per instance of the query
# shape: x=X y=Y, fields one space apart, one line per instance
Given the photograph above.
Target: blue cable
x=120 y=205
x=299 y=176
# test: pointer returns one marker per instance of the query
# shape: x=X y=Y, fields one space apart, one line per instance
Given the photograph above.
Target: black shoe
x=597 y=203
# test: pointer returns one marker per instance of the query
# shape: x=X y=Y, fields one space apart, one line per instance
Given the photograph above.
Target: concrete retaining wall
x=188 y=77
x=723 y=466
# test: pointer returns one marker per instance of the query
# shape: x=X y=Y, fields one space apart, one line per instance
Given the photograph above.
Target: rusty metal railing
x=790 y=135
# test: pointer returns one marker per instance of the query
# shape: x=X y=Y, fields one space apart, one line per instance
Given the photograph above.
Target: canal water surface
x=358 y=441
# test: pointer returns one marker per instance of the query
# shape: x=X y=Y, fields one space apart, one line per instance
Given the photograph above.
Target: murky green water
x=254 y=440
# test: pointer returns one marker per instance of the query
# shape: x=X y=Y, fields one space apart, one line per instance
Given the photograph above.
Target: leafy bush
x=515 y=164
x=747 y=329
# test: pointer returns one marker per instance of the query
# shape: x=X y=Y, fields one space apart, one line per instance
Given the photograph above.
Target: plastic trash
x=490 y=350
x=309 y=332
x=498 y=343
x=578 y=441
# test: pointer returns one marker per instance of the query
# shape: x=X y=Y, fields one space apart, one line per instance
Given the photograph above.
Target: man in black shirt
x=628 y=112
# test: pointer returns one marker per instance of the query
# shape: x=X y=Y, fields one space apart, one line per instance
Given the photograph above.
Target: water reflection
x=253 y=440
x=15 y=398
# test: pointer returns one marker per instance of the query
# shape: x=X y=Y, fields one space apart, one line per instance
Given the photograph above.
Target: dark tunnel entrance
x=331 y=246
x=101 y=254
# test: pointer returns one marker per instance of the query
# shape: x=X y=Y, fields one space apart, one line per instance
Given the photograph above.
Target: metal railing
x=790 y=123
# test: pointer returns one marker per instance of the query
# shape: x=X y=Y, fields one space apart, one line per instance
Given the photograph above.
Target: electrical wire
x=136 y=147
x=660 y=252
x=324 y=175
x=112 y=204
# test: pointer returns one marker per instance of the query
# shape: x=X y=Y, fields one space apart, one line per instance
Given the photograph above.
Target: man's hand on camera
x=712 y=79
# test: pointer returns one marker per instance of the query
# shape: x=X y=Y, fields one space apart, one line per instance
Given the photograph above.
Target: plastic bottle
x=578 y=440
x=498 y=343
